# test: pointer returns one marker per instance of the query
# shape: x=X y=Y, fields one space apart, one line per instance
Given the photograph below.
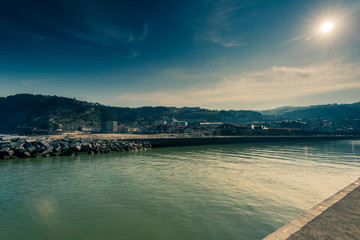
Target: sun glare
x=327 y=27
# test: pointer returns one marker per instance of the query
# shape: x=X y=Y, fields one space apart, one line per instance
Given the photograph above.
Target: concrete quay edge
x=295 y=225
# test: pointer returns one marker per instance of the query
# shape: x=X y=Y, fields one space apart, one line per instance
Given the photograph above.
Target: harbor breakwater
x=214 y=140
x=16 y=147
x=25 y=148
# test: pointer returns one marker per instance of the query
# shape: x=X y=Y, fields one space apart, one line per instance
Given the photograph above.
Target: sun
x=327 y=27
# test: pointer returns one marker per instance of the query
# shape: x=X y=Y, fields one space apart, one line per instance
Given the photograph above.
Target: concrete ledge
x=295 y=225
x=211 y=140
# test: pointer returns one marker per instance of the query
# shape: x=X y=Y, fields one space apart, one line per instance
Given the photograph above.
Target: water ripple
x=240 y=191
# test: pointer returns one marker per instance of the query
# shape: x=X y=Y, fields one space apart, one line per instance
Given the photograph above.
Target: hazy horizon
x=218 y=54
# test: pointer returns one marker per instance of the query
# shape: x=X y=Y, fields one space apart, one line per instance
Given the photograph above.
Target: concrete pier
x=338 y=217
x=211 y=140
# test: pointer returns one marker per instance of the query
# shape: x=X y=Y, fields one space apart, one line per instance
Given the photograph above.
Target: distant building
x=211 y=126
x=164 y=128
x=233 y=129
x=177 y=123
x=87 y=128
x=123 y=129
x=134 y=130
x=216 y=124
x=285 y=131
x=111 y=126
x=199 y=131
x=148 y=129
x=161 y=122
x=172 y=122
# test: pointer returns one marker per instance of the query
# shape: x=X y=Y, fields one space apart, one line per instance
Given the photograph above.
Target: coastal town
x=53 y=115
x=112 y=136
x=202 y=128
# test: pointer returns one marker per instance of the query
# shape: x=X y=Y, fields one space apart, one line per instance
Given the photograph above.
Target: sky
x=215 y=54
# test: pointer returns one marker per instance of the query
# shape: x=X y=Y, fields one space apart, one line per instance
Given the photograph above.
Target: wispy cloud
x=77 y=25
x=144 y=33
x=109 y=34
x=132 y=54
x=222 y=24
x=278 y=83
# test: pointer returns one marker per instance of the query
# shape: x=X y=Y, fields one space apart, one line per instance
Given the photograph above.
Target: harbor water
x=235 y=191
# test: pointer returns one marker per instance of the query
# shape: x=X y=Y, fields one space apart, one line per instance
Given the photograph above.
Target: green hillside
x=51 y=112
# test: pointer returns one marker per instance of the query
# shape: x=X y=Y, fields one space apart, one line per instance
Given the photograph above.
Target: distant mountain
x=281 y=110
x=23 y=111
x=331 y=112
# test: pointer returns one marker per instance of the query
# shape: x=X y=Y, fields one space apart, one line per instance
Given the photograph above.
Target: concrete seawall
x=192 y=141
x=337 y=217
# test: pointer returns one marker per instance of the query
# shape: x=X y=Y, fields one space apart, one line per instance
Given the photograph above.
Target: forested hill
x=23 y=111
x=332 y=112
x=47 y=112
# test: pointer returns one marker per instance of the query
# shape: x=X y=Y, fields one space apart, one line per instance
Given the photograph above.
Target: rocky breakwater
x=26 y=148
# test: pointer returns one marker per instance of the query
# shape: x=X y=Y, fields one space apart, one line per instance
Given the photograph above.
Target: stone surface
x=341 y=221
x=23 y=148
x=338 y=217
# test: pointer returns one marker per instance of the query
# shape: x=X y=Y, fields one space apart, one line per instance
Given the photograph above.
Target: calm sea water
x=242 y=191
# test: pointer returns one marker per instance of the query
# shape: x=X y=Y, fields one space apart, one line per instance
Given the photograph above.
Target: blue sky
x=212 y=54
